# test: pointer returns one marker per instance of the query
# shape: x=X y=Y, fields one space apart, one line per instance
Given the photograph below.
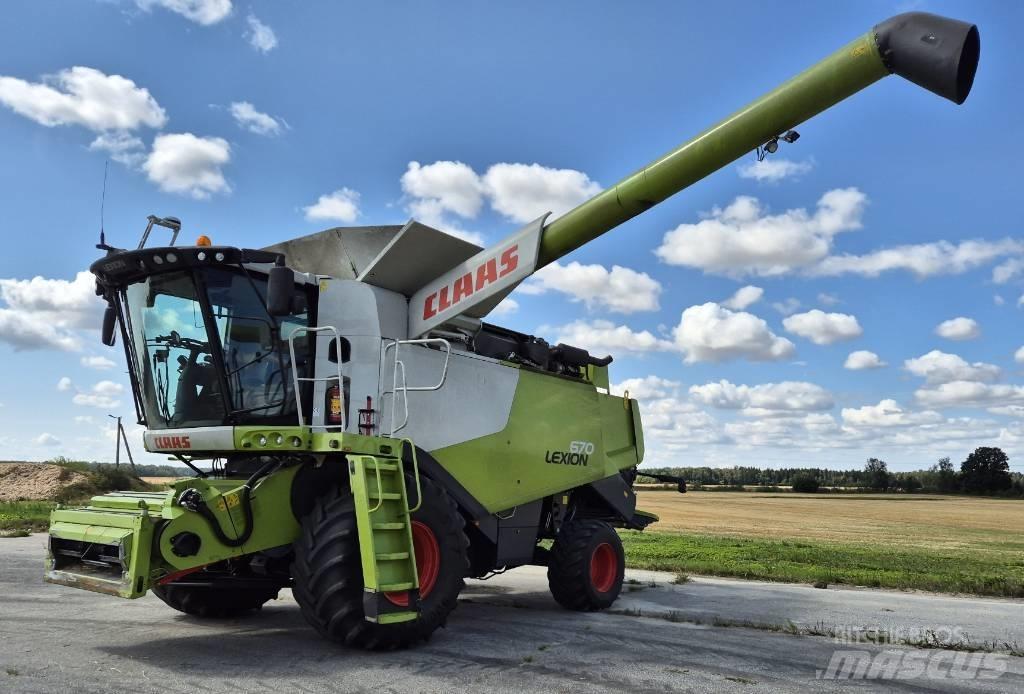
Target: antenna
x=102 y=245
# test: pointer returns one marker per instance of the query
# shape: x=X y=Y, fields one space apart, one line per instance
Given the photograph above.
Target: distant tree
x=945 y=476
x=907 y=483
x=805 y=484
x=986 y=470
x=877 y=474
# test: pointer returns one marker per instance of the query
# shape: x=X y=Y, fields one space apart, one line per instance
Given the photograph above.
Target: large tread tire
x=571 y=577
x=215 y=602
x=329 y=577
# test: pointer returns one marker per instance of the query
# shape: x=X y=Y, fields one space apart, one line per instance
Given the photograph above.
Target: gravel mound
x=35 y=481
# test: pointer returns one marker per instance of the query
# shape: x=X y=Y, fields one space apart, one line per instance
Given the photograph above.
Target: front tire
x=586 y=566
x=329 y=577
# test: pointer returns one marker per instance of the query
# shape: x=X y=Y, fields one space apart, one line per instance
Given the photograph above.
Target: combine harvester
x=373 y=441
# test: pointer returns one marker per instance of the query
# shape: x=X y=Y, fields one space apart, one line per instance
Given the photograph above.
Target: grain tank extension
x=371 y=439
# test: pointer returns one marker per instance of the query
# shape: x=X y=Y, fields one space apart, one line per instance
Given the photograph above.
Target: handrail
x=405 y=388
x=314 y=379
x=415 y=476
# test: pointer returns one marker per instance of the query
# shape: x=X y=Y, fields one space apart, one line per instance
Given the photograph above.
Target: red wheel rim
x=428 y=563
x=604 y=567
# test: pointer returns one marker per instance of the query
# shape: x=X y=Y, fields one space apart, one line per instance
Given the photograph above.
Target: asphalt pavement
x=508 y=635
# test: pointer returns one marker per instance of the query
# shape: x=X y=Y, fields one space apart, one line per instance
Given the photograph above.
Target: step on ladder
x=383 y=519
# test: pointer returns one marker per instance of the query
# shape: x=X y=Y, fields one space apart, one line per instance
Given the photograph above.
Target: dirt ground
x=35 y=481
x=922 y=520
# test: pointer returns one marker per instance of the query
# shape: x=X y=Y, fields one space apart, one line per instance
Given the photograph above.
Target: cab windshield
x=205 y=352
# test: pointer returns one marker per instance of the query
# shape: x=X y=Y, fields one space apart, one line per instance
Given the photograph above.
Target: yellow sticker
x=220 y=505
x=232 y=500
x=323 y=285
x=859 y=51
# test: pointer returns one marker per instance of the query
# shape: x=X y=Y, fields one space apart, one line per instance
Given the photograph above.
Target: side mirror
x=280 y=288
x=109 y=323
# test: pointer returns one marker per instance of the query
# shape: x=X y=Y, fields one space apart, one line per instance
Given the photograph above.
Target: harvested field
x=918 y=520
x=36 y=481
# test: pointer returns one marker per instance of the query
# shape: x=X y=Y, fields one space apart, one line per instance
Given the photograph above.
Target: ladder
x=384 y=523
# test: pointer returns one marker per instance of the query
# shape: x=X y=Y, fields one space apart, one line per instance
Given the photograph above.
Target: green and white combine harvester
x=373 y=441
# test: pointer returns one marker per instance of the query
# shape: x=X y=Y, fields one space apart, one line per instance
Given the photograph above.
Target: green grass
x=989 y=570
x=16 y=517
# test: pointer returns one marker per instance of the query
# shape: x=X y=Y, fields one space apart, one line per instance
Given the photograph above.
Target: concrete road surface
x=507 y=635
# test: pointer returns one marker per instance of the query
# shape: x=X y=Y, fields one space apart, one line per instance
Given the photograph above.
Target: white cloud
x=103 y=395
x=619 y=290
x=744 y=297
x=602 y=337
x=940 y=367
x=248 y=118
x=260 y=36
x=887 y=413
x=923 y=260
x=47 y=439
x=958 y=329
x=97 y=362
x=998 y=300
x=186 y=164
x=863 y=359
x=773 y=170
x=83 y=96
x=46 y=313
x=646 y=388
x=764 y=400
x=205 y=12
x=743 y=239
x=64 y=384
x=827 y=299
x=1018 y=356
x=787 y=307
x=450 y=185
x=340 y=206
x=1007 y=270
x=507 y=307
x=823 y=328
x=969 y=393
x=710 y=332
x=121 y=146
x=523 y=192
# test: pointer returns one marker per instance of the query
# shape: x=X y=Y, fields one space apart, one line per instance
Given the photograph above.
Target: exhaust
x=936 y=53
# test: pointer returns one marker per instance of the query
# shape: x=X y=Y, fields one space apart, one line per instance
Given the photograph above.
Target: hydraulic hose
x=193 y=500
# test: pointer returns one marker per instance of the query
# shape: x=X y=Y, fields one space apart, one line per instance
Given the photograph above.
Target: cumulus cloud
x=103 y=395
x=1018 y=356
x=764 y=400
x=450 y=186
x=743 y=239
x=823 y=328
x=619 y=290
x=97 y=362
x=248 y=118
x=923 y=260
x=260 y=36
x=969 y=393
x=47 y=439
x=773 y=170
x=787 y=307
x=744 y=297
x=506 y=307
x=64 y=384
x=887 y=413
x=340 y=206
x=204 y=12
x=44 y=313
x=958 y=329
x=83 y=96
x=523 y=192
x=827 y=299
x=940 y=367
x=602 y=337
x=647 y=387
x=711 y=332
x=863 y=359
x=1007 y=270
x=121 y=146
x=189 y=165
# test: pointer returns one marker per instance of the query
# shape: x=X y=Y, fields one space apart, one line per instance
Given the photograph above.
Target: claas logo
x=176 y=442
x=487 y=273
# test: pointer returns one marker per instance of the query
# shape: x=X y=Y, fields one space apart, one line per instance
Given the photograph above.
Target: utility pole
x=121 y=435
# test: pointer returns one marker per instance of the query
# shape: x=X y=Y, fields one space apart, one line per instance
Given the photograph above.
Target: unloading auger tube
x=937 y=53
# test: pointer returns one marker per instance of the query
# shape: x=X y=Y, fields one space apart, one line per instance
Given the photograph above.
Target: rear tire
x=214 y=602
x=586 y=566
x=329 y=577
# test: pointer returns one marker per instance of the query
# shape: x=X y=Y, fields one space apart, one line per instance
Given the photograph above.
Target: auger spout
x=936 y=53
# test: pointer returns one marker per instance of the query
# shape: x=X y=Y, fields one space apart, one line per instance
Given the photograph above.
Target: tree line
x=985 y=471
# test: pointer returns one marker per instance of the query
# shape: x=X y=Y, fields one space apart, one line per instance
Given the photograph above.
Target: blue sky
x=254 y=122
